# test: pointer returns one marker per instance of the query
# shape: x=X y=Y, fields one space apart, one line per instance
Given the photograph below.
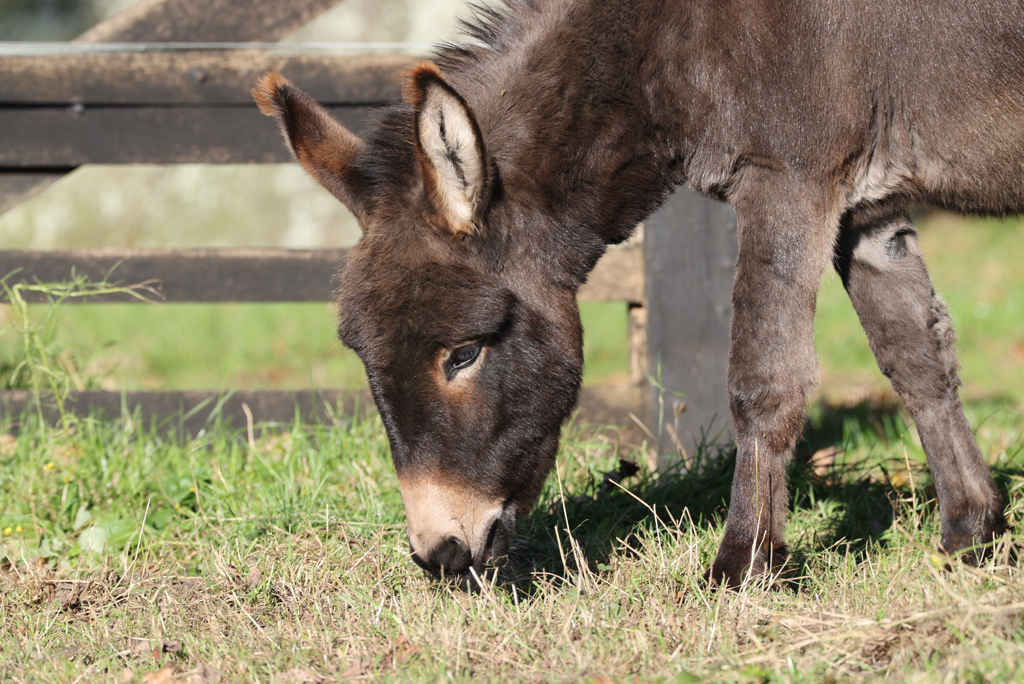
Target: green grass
x=286 y=560
x=209 y=346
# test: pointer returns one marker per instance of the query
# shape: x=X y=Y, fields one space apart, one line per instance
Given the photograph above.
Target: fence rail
x=190 y=411
x=59 y=111
x=186 y=75
x=255 y=275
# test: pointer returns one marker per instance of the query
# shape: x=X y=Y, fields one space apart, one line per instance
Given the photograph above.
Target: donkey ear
x=327 y=150
x=451 y=150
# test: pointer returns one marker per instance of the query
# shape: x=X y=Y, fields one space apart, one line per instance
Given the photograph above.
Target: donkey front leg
x=783 y=250
x=911 y=334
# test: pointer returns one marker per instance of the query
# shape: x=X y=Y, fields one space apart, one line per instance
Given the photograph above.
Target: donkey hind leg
x=911 y=335
x=783 y=253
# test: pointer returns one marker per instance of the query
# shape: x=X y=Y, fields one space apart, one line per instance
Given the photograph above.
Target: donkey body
x=487 y=197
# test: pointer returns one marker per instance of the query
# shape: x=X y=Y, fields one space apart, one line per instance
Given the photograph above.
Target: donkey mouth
x=451 y=558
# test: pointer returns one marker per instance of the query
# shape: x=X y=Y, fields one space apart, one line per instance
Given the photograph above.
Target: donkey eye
x=463 y=356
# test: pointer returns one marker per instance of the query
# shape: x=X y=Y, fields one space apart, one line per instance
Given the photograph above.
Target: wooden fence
x=130 y=101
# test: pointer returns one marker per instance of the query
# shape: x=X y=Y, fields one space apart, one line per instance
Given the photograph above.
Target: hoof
x=735 y=564
x=972 y=536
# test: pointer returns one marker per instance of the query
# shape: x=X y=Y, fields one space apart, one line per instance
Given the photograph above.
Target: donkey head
x=472 y=350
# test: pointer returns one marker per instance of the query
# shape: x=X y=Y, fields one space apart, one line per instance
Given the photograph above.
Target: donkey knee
x=770 y=411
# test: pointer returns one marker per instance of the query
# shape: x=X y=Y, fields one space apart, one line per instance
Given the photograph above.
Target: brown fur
x=324 y=147
x=821 y=122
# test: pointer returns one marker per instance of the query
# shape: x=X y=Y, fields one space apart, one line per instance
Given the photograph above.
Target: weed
x=45 y=365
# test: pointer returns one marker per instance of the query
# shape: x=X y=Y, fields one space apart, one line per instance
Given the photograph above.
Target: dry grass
x=289 y=563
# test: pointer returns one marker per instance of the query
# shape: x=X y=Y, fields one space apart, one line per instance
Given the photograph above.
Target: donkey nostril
x=451 y=557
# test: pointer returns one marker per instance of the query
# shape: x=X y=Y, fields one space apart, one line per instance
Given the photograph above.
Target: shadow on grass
x=852 y=503
x=605 y=517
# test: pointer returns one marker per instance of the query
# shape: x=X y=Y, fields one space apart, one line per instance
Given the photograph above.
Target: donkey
x=487 y=196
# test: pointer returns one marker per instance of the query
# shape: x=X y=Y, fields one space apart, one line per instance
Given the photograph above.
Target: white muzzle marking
x=438 y=511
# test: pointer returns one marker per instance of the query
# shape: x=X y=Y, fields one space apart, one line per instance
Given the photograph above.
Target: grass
x=130 y=555
x=285 y=560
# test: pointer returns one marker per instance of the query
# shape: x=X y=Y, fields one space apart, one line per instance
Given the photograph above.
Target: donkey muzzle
x=453 y=528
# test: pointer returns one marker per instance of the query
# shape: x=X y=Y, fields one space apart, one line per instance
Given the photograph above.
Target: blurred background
x=191 y=346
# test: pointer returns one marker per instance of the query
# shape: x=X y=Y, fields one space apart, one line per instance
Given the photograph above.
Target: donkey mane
x=389 y=156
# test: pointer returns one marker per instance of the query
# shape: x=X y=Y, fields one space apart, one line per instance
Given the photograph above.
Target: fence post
x=690 y=247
